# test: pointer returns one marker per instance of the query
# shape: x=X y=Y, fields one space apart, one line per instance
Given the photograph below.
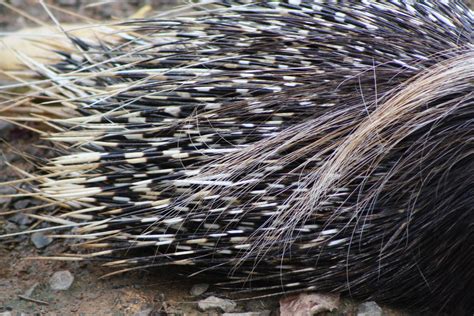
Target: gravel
x=369 y=309
x=40 y=240
x=61 y=280
x=216 y=303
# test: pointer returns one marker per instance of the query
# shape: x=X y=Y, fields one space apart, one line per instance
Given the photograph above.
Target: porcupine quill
x=288 y=146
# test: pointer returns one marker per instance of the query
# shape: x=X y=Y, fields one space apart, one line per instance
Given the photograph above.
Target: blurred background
x=104 y=10
x=101 y=10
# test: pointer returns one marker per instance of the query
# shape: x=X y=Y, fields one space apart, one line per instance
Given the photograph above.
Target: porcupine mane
x=403 y=160
x=291 y=146
x=403 y=125
x=398 y=158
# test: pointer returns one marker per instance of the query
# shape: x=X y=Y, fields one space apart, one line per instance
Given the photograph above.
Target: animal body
x=286 y=145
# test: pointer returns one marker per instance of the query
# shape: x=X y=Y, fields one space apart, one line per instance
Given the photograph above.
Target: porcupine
x=289 y=146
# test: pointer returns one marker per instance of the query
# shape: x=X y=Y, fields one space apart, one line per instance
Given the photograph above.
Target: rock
x=308 y=304
x=144 y=312
x=5 y=313
x=216 y=303
x=10 y=228
x=40 y=240
x=21 y=204
x=21 y=219
x=61 y=280
x=36 y=202
x=5 y=126
x=199 y=289
x=68 y=2
x=261 y=313
x=369 y=309
x=6 y=190
x=5 y=200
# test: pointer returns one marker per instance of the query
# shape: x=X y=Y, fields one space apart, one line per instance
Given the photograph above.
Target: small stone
x=5 y=200
x=21 y=204
x=144 y=312
x=369 y=309
x=308 y=304
x=199 y=289
x=61 y=280
x=40 y=240
x=6 y=190
x=261 y=313
x=5 y=126
x=216 y=303
x=68 y=2
x=21 y=219
x=36 y=202
x=11 y=228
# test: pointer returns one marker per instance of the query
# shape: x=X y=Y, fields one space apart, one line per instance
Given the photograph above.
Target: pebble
x=144 y=312
x=40 y=240
x=216 y=303
x=36 y=202
x=11 y=228
x=261 y=313
x=5 y=200
x=308 y=304
x=68 y=2
x=21 y=219
x=61 y=280
x=199 y=289
x=5 y=126
x=6 y=190
x=369 y=309
x=21 y=204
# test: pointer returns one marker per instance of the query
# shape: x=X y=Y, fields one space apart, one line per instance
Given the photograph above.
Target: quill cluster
x=287 y=145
